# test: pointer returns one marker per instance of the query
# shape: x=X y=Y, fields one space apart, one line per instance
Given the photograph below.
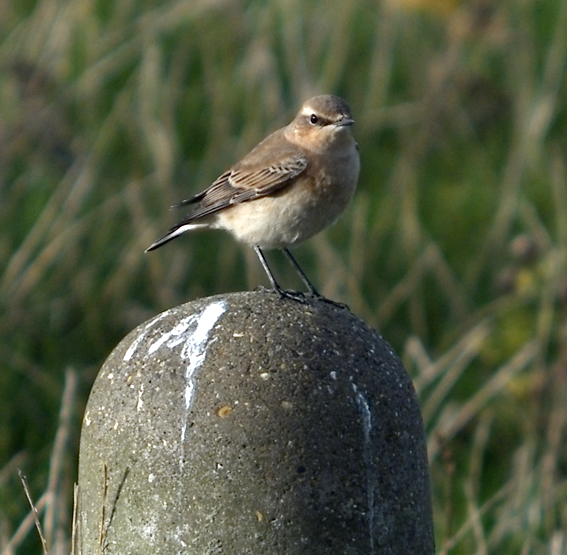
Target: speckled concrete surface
x=248 y=424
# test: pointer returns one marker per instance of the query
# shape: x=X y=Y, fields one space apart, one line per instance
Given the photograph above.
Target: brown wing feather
x=242 y=184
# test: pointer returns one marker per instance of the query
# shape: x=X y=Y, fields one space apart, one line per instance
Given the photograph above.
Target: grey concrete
x=248 y=424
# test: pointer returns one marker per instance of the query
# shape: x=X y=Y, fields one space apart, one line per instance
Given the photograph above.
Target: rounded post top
x=246 y=423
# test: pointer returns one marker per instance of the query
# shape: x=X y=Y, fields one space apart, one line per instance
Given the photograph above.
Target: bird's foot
x=318 y=297
x=296 y=296
x=303 y=298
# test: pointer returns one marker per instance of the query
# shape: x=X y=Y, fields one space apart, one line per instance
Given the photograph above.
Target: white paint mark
x=192 y=334
x=176 y=332
x=195 y=351
x=366 y=416
x=140 y=402
x=132 y=349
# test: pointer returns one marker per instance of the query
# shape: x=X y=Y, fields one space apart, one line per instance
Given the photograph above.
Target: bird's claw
x=297 y=296
x=318 y=297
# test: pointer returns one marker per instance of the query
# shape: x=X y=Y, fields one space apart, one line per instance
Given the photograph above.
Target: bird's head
x=322 y=122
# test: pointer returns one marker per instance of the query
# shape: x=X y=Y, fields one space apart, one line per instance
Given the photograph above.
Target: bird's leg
x=312 y=289
x=294 y=295
x=301 y=273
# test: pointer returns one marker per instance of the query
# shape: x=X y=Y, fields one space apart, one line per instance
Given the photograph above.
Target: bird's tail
x=173 y=233
x=191 y=200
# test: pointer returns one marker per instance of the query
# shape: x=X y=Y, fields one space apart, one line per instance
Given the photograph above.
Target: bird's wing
x=269 y=167
x=246 y=182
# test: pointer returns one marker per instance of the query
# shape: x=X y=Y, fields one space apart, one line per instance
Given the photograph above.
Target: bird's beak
x=344 y=121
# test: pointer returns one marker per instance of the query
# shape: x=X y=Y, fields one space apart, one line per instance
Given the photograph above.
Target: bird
x=292 y=185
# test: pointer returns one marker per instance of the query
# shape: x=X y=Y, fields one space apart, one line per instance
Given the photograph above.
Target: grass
x=455 y=247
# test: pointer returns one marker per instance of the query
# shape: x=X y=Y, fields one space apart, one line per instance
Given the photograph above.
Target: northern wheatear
x=295 y=183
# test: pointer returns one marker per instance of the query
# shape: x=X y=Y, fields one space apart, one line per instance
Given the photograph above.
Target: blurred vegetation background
x=455 y=247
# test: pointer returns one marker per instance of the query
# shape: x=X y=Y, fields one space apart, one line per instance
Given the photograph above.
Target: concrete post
x=248 y=424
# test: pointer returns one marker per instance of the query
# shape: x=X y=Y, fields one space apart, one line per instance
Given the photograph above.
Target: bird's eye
x=313 y=119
